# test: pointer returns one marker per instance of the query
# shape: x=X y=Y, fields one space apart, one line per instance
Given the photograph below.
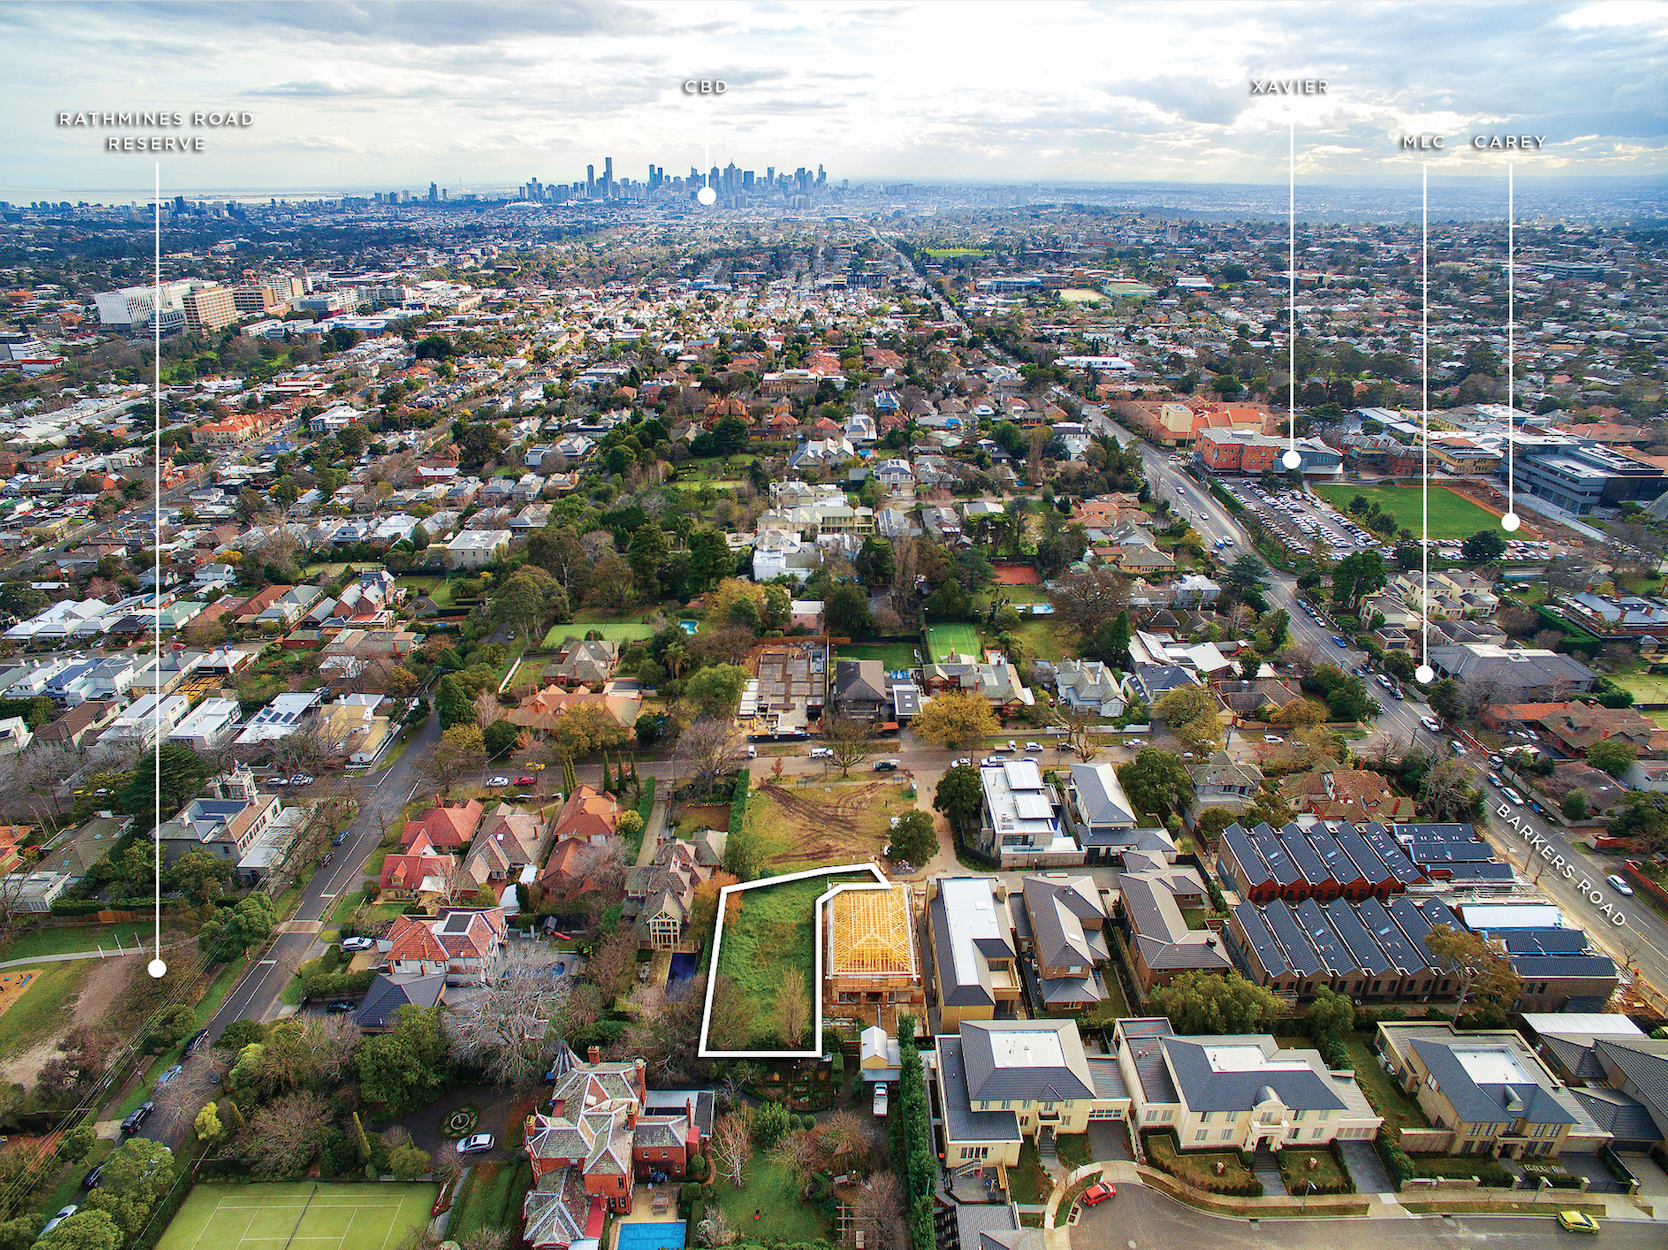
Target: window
x=1298 y=1115
x=1201 y=1135
x=1318 y=1134
x=1227 y=1134
x=1169 y=1116
x=1006 y=1104
x=1207 y=1117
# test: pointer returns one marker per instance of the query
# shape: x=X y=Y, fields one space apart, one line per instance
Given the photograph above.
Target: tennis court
x=301 y=1215
x=947 y=640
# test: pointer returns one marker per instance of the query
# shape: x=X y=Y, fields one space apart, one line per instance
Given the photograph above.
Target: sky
x=387 y=94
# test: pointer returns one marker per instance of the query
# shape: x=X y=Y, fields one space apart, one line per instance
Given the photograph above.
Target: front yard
x=1328 y=1176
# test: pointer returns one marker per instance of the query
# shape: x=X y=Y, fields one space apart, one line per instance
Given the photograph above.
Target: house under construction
x=789 y=686
x=871 y=971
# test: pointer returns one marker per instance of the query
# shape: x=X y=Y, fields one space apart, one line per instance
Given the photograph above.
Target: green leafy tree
x=1245 y=574
x=87 y=1229
x=716 y=691
x=453 y=702
x=75 y=1145
x=709 y=559
x=1357 y=576
x=407 y=1162
x=915 y=839
x=1447 y=700
x=1203 y=1002
x=499 y=738
x=207 y=1125
x=136 y=1176
x=959 y=795
x=1483 y=546
x=1574 y=805
x=948 y=603
x=1330 y=1015
x=406 y=1067
x=845 y=609
x=247 y=925
x=1612 y=755
x=183 y=772
x=1156 y=781
x=647 y=556
x=529 y=601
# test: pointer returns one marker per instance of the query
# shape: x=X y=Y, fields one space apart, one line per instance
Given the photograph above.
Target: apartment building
x=209 y=309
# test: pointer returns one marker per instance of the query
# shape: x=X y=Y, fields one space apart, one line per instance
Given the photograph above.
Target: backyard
x=947 y=640
x=768 y=933
x=613 y=631
x=1646 y=689
x=892 y=655
x=1451 y=515
x=768 y=1208
x=1399 y=1111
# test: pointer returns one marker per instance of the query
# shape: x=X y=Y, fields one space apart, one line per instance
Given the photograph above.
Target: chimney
x=689 y=1110
x=631 y=1116
x=594 y=1055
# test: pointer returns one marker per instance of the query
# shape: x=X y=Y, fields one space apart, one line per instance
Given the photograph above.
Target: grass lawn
x=1645 y=688
x=1492 y=1174
x=613 y=631
x=1041 y=639
x=1198 y=1167
x=319 y=1216
x=490 y=1198
x=1295 y=1171
x=818 y=826
x=771 y=1193
x=38 y=1011
x=1027 y=1182
x=772 y=935
x=68 y=939
x=1397 y=1108
x=1074 y=1149
x=892 y=655
x=944 y=640
x=1452 y=516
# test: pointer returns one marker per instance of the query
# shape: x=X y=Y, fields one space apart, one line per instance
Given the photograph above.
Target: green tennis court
x=946 y=640
x=301 y=1215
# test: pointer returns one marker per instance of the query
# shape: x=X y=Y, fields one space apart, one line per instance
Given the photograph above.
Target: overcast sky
x=394 y=94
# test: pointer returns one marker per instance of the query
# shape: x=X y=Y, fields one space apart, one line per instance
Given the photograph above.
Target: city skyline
x=392 y=95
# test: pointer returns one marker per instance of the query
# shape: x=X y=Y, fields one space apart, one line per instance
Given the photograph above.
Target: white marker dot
x=1292 y=460
x=157 y=969
x=1509 y=522
x=1424 y=674
x=707 y=195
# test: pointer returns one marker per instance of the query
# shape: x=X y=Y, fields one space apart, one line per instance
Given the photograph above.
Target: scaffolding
x=869 y=934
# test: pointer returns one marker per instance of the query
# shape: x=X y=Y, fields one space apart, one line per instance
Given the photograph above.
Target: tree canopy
x=1156 y=781
x=955 y=719
x=1203 y=1002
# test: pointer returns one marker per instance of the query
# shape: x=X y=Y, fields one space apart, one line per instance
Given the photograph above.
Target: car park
x=476 y=1143
x=1618 y=884
x=358 y=944
x=1098 y=1193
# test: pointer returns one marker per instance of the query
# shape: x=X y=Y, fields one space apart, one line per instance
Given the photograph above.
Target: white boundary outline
x=881 y=882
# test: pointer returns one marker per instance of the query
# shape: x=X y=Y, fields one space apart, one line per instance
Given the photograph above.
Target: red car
x=525 y=781
x=1099 y=1193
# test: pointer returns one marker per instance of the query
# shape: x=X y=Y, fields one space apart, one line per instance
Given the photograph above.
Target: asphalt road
x=1144 y=1219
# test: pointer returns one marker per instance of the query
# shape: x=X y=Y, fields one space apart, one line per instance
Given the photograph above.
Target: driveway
x=502 y=1112
x=1366 y=1168
x=1109 y=1141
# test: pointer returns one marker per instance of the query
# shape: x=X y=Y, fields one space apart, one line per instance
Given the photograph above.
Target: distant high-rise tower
x=434 y=193
x=608 y=174
x=590 y=180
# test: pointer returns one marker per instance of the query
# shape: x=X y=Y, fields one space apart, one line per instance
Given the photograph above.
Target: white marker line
x=1291 y=297
x=1425 y=672
x=157 y=967
x=1510 y=521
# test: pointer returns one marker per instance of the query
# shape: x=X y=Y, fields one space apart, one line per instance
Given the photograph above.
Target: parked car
x=301 y=779
x=358 y=944
x=1431 y=723
x=498 y=783
x=1494 y=781
x=1033 y=746
x=137 y=1117
x=886 y=766
x=1620 y=885
x=992 y=761
x=879 y=1107
x=1098 y=1193
x=340 y=1007
x=525 y=781
x=1577 y=1222
x=819 y=753
x=1339 y=639
x=94 y=1173
x=1012 y=745
x=964 y=762
x=195 y=1042
x=339 y=838
x=1272 y=738
x=1457 y=747
x=59 y=1218
x=476 y=1143
x=1498 y=761
x=1512 y=794
x=274 y=783
x=167 y=1078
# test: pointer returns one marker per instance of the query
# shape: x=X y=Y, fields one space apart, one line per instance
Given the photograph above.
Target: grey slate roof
x=971 y=987
x=1207 y=1089
x=389 y=993
x=1099 y=798
x=1626 y=1119
x=1486 y=1104
x=961 y=1122
x=991 y=1077
x=1643 y=1062
x=1066 y=920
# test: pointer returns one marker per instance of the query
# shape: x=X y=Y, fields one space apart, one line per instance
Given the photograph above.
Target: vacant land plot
x=319 y=1217
x=1452 y=516
x=770 y=932
x=67 y=939
x=947 y=640
x=36 y=1011
x=818 y=826
x=774 y=1197
x=892 y=655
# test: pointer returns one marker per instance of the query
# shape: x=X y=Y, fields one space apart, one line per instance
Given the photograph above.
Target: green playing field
x=945 y=640
x=1452 y=516
x=302 y=1215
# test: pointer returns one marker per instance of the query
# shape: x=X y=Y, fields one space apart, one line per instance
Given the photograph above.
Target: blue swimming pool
x=682 y=969
x=666 y=1235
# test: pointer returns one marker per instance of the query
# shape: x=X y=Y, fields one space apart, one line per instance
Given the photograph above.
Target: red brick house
x=445 y=827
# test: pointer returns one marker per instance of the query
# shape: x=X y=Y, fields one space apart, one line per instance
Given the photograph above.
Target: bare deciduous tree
x=284 y=1135
x=793 y=1007
x=878 y=1211
x=488 y=710
x=732 y=1148
x=850 y=741
x=509 y=1029
x=707 y=749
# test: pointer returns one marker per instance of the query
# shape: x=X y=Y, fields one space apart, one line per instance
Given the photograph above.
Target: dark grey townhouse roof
x=1346 y=923
x=961 y=1122
x=1039 y=1060
x=1210 y=1088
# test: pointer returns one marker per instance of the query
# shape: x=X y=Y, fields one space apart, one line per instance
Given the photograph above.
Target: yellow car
x=1578 y=1222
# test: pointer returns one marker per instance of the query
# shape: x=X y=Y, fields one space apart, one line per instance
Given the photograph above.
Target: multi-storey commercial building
x=208 y=309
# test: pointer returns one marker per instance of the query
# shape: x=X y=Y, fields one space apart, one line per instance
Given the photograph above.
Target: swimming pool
x=642 y=1235
x=682 y=968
